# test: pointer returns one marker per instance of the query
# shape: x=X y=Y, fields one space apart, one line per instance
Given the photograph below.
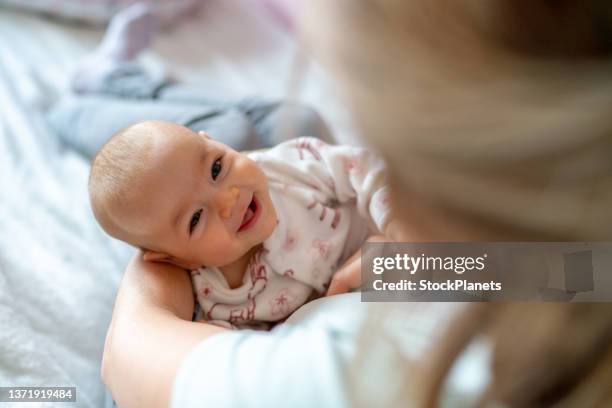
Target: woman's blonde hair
x=471 y=115
x=499 y=111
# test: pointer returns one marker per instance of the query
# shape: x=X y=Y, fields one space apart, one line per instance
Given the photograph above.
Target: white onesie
x=328 y=199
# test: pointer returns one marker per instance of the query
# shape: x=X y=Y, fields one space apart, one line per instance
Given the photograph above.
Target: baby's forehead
x=164 y=136
x=157 y=145
x=158 y=131
x=171 y=152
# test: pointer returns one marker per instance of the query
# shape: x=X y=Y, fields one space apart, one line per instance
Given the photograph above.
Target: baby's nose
x=226 y=200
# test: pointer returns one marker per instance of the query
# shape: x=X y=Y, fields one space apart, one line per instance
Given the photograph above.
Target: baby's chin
x=271 y=227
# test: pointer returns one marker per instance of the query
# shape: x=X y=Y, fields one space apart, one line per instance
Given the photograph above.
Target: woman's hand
x=348 y=276
x=150 y=334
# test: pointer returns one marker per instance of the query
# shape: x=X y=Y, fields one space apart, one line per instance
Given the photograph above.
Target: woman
x=494 y=120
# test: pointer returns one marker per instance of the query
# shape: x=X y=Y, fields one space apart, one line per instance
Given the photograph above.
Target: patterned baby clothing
x=328 y=199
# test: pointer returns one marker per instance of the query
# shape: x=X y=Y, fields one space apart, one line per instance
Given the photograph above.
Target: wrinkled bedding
x=58 y=271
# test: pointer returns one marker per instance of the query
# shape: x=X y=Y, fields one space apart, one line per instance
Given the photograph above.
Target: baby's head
x=180 y=196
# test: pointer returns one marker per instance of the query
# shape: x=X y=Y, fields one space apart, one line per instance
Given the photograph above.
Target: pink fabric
x=285 y=11
x=97 y=12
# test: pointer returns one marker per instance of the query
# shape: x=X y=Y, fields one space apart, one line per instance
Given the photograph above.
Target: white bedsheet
x=58 y=271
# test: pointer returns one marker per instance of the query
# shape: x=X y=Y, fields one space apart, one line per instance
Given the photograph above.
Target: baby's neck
x=234 y=272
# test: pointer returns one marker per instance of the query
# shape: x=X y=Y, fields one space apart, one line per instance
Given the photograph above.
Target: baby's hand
x=348 y=276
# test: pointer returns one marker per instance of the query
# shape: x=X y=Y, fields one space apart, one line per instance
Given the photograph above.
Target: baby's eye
x=216 y=169
x=195 y=218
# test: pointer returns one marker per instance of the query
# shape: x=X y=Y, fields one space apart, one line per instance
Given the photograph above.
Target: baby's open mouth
x=250 y=214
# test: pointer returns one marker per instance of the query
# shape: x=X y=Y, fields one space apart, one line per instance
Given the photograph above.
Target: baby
x=260 y=232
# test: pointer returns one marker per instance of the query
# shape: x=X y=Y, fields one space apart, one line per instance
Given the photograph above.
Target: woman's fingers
x=347 y=277
x=337 y=286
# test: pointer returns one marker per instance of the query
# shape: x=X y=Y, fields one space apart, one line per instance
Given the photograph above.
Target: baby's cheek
x=222 y=248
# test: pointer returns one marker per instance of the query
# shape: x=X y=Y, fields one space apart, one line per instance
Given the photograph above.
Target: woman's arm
x=150 y=334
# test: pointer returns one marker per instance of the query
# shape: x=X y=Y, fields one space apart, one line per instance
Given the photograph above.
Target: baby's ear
x=154 y=256
x=204 y=134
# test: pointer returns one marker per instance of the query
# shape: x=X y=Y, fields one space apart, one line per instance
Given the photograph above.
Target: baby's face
x=200 y=202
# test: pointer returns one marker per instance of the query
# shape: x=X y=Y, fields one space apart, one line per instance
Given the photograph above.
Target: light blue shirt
x=306 y=361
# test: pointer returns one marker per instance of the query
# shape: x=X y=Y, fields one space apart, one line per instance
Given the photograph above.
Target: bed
x=58 y=271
